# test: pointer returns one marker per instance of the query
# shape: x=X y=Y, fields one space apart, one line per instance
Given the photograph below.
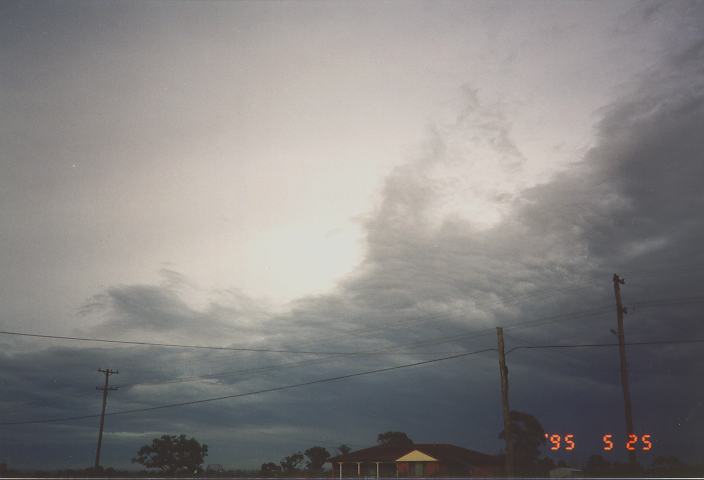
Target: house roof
x=443 y=452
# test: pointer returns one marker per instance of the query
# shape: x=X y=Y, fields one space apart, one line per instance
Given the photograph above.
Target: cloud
x=163 y=309
x=448 y=256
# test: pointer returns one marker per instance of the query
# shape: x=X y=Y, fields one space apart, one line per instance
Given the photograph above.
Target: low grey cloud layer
x=457 y=243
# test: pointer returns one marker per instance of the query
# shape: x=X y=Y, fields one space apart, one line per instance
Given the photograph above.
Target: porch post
x=359 y=469
x=340 y=470
x=377 y=470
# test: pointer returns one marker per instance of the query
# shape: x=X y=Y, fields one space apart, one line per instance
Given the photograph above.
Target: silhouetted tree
x=619 y=469
x=291 y=463
x=394 y=439
x=172 y=454
x=546 y=464
x=528 y=436
x=343 y=449
x=668 y=465
x=597 y=465
x=317 y=456
x=270 y=468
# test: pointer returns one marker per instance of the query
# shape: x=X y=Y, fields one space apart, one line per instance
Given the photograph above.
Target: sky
x=384 y=180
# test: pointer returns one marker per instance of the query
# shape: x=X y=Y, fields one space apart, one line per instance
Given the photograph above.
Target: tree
x=668 y=465
x=343 y=449
x=528 y=436
x=270 y=467
x=317 y=456
x=597 y=465
x=172 y=454
x=291 y=463
x=394 y=439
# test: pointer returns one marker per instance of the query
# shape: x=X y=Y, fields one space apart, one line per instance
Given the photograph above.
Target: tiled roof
x=442 y=451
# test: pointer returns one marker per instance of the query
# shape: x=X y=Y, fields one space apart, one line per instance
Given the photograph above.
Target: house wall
x=406 y=469
x=367 y=469
x=348 y=470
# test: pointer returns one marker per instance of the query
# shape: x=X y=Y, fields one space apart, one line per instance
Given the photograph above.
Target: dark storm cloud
x=147 y=309
x=632 y=205
x=40 y=392
x=634 y=208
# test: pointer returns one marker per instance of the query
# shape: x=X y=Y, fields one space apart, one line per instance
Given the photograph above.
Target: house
x=419 y=460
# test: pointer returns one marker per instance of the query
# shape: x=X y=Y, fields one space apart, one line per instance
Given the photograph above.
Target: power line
x=173 y=345
x=208 y=347
x=352 y=375
x=557 y=352
x=588 y=345
x=667 y=302
x=398 y=349
x=266 y=368
x=386 y=351
x=333 y=355
x=403 y=323
x=356 y=333
x=526 y=342
x=684 y=268
x=257 y=392
x=491 y=330
x=537 y=322
x=390 y=350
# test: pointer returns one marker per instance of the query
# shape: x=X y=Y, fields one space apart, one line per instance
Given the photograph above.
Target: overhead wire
x=383 y=351
x=403 y=323
x=526 y=342
x=669 y=302
x=256 y=392
x=170 y=345
x=398 y=349
x=346 y=376
x=239 y=349
x=598 y=345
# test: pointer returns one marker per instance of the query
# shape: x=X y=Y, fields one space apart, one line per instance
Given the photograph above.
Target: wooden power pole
x=618 y=281
x=508 y=434
x=105 y=389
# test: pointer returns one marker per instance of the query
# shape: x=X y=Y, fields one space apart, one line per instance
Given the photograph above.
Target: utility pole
x=620 y=310
x=105 y=389
x=508 y=434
